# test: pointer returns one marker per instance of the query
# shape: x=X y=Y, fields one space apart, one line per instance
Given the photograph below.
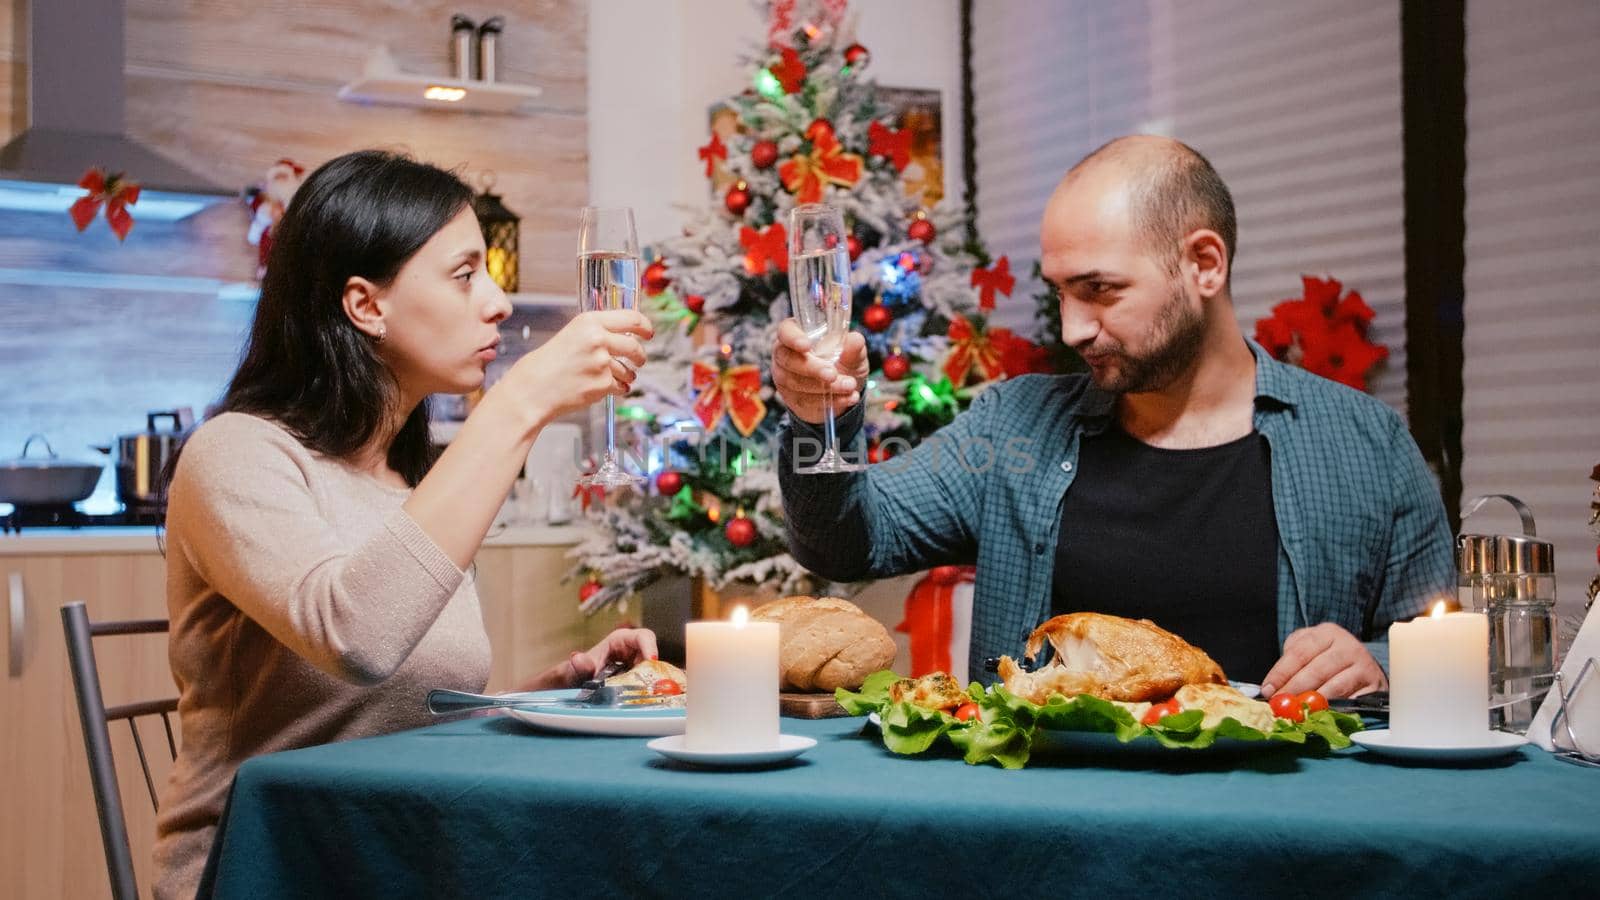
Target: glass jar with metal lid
x=1511 y=578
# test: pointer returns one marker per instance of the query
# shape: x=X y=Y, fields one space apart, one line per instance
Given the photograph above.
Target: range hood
x=76 y=119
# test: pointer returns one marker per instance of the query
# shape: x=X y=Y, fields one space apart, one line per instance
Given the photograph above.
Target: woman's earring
x=383 y=332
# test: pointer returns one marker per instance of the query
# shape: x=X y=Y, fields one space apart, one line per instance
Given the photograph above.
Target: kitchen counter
x=100 y=540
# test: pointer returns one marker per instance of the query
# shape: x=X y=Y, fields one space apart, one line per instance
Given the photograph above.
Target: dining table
x=494 y=807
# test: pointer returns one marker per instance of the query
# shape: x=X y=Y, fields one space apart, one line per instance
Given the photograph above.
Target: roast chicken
x=1109 y=657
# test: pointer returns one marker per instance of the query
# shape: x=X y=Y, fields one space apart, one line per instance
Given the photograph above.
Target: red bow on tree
x=885 y=141
x=765 y=248
x=589 y=493
x=972 y=348
x=790 y=71
x=735 y=390
x=804 y=176
x=115 y=191
x=987 y=281
x=930 y=619
x=712 y=152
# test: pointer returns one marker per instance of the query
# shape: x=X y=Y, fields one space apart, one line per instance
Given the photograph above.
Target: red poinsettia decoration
x=1323 y=333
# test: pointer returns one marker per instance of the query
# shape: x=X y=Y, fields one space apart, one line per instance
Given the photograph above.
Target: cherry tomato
x=1160 y=711
x=966 y=712
x=1287 y=706
x=666 y=686
x=1312 y=701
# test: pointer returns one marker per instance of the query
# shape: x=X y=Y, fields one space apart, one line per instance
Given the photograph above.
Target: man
x=1277 y=520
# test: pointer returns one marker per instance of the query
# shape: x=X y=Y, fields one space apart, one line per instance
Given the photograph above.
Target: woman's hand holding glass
x=595 y=356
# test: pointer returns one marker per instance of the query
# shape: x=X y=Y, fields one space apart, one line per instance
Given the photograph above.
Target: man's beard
x=1174 y=337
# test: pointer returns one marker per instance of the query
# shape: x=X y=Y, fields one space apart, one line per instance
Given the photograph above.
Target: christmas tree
x=703 y=420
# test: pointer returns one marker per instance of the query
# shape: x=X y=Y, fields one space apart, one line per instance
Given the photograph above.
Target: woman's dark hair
x=306 y=365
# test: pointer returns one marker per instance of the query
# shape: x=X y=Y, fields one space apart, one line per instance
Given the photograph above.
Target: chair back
x=96 y=719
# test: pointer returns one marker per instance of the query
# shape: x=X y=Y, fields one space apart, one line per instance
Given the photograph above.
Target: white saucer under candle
x=732 y=701
x=1439 y=679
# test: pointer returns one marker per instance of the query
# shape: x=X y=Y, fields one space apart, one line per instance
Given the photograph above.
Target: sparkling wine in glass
x=819 y=294
x=608 y=278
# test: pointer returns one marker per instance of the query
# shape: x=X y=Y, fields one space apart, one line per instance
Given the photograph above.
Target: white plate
x=1487 y=746
x=789 y=746
x=1246 y=688
x=646 y=722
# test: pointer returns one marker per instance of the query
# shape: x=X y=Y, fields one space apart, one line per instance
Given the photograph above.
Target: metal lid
x=1474 y=553
x=1518 y=554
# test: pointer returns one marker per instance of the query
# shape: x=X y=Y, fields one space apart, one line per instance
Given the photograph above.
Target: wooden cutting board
x=809 y=706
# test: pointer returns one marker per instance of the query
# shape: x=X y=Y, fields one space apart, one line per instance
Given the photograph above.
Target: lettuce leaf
x=1008 y=725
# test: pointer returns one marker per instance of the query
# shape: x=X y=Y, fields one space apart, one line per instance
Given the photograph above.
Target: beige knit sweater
x=306 y=606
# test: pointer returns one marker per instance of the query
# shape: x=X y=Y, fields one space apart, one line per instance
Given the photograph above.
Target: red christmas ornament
x=741 y=532
x=589 y=589
x=853 y=244
x=922 y=230
x=857 y=56
x=875 y=453
x=877 y=317
x=655 y=278
x=669 y=482
x=906 y=261
x=895 y=366
x=818 y=127
x=738 y=199
x=764 y=154
x=695 y=304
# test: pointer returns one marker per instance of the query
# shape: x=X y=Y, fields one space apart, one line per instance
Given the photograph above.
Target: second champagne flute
x=820 y=293
x=608 y=278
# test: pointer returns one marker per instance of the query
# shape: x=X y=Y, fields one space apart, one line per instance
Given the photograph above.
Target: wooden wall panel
x=228 y=86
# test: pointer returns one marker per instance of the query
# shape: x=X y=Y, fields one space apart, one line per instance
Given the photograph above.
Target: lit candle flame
x=1438 y=610
x=740 y=616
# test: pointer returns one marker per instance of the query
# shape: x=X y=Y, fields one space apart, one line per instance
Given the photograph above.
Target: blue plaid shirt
x=1362 y=535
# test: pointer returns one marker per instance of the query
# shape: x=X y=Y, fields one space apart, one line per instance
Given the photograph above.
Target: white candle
x=732 y=699
x=1439 y=679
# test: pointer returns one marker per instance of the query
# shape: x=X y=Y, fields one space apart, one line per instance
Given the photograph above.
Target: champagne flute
x=608 y=278
x=819 y=293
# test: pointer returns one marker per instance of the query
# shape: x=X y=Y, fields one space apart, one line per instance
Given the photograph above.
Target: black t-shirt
x=1184 y=538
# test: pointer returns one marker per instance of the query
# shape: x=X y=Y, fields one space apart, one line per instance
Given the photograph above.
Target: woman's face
x=442 y=313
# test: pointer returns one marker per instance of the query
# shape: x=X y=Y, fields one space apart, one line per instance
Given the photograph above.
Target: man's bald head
x=1171 y=191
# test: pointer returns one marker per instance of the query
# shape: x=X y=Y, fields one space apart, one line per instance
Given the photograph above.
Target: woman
x=317 y=551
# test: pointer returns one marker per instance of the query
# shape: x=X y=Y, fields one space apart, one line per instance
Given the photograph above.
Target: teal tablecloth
x=490 y=808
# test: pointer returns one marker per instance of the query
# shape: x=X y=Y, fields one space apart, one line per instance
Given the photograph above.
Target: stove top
x=71 y=516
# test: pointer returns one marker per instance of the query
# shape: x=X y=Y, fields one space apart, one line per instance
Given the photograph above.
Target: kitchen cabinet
x=49 y=834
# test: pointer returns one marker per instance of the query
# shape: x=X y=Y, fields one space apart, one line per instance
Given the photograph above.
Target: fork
x=442 y=702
